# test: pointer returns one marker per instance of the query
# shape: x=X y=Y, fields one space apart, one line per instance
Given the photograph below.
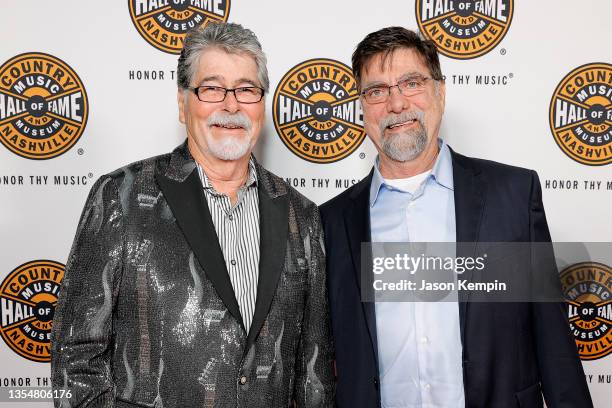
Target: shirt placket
x=424 y=352
x=421 y=333
x=230 y=225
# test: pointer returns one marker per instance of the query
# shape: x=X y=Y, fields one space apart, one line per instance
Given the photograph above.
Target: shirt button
x=230 y=217
x=233 y=262
x=427 y=386
x=424 y=340
x=243 y=380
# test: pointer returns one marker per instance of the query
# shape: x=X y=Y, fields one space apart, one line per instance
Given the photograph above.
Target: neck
x=226 y=176
x=391 y=169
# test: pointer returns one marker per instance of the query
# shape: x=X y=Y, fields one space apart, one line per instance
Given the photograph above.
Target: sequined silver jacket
x=147 y=315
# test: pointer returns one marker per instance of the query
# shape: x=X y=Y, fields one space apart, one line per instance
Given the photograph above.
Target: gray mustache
x=394 y=119
x=237 y=119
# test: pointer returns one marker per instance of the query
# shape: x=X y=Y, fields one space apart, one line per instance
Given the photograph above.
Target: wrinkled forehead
x=394 y=58
x=220 y=63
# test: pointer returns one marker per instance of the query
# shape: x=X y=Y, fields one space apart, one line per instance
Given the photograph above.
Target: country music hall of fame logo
x=580 y=114
x=43 y=106
x=317 y=112
x=28 y=298
x=464 y=29
x=587 y=287
x=164 y=23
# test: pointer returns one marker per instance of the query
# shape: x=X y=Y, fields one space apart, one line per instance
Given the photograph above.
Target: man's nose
x=396 y=102
x=230 y=103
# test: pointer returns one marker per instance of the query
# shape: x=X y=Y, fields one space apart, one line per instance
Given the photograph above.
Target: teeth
x=401 y=124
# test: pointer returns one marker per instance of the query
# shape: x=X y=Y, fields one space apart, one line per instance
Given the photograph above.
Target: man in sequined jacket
x=197 y=278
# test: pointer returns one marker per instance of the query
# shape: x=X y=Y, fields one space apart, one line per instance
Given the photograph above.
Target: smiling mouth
x=396 y=125
x=228 y=126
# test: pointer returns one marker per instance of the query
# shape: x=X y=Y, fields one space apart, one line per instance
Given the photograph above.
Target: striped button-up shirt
x=238 y=232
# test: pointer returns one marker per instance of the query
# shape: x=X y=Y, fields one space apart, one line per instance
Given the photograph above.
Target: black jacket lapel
x=188 y=204
x=357 y=223
x=274 y=229
x=470 y=190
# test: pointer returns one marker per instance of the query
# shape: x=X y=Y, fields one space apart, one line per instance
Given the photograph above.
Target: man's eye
x=411 y=84
x=375 y=92
x=247 y=91
x=209 y=89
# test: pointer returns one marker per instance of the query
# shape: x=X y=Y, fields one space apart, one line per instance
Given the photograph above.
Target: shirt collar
x=250 y=181
x=377 y=182
x=441 y=173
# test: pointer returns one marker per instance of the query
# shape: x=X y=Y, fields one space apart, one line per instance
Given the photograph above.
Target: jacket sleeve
x=563 y=381
x=82 y=336
x=315 y=384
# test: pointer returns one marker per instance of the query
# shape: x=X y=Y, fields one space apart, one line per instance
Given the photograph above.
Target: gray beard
x=229 y=148
x=405 y=146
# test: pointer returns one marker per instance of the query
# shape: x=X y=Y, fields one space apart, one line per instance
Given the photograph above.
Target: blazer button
x=243 y=380
x=376 y=383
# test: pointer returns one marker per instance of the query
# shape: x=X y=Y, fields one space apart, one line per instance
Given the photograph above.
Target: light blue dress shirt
x=419 y=344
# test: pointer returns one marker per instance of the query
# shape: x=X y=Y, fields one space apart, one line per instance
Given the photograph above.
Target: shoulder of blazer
x=159 y=163
x=338 y=204
x=276 y=186
x=489 y=168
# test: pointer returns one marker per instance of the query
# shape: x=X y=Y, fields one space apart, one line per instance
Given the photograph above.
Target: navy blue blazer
x=512 y=352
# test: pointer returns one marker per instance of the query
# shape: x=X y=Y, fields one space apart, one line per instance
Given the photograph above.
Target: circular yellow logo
x=43 y=106
x=29 y=296
x=587 y=288
x=317 y=112
x=164 y=23
x=464 y=29
x=581 y=114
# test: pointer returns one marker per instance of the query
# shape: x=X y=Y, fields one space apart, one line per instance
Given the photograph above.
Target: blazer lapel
x=274 y=229
x=185 y=196
x=470 y=190
x=357 y=223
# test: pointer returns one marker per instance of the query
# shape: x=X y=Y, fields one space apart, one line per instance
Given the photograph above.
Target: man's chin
x=403 y=147
x=402 y=156
x=230 y=150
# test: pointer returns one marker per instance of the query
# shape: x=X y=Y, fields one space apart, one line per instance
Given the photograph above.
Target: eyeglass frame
x=388 y=87
x=232 y=90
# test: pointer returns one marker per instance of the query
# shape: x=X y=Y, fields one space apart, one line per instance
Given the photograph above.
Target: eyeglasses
x=245 y=94
x=407 y=87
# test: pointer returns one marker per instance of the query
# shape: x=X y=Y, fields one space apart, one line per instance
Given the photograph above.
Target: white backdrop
x=131 y=118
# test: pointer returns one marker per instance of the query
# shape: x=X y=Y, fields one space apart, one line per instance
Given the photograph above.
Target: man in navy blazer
x=461 y=354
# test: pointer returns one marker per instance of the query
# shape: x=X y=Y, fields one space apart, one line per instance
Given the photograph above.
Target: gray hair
x=230 y=37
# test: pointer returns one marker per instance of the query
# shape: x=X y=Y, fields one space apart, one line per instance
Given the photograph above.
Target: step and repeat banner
x=89 y=86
